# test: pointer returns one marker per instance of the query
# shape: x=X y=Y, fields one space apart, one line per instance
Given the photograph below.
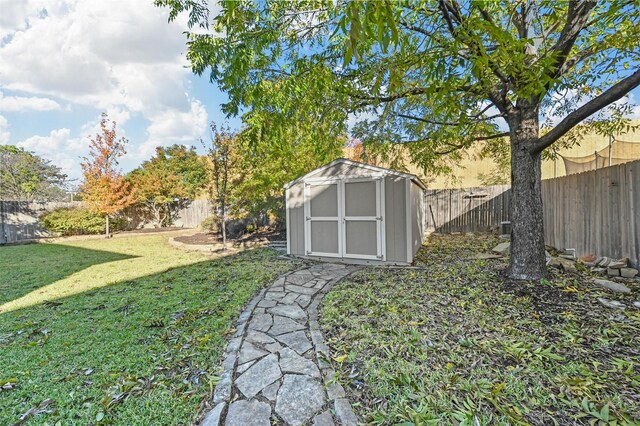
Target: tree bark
x=527 y=229
x=106 y=232
x=224 y=228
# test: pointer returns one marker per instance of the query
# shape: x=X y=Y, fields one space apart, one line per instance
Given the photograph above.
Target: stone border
x=334 y=391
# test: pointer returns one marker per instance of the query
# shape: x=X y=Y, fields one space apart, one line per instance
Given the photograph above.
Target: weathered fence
x=595 y=212
x=467 y=210
x=19 y=220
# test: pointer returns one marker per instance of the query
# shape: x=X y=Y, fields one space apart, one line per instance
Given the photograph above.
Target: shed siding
x=395 y=220
x=295 y=204
x=417 y=217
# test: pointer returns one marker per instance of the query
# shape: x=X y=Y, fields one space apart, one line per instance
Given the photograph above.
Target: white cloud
x=59 y=147
x=122 y=57
x=24 y=103
x=4 y=131
x=170 y=127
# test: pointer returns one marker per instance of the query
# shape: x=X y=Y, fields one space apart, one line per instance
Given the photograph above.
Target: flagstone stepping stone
x=291 y=362
x=303 y=300
x=243 y=413
x=289 y=311
x=299 y=399
x=300 y=289
x=249 y=353
x=297 y=341
x=344 y=413
x=259 y=376
x=261 y=322
x=282 y=325
x=273 y=373
x=213 y=417
x=259 y=337
x=267 y=303
x=323 y=419
x=271 y=391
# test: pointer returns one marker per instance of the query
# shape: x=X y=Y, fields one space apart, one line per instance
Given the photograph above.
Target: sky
x=64 y=62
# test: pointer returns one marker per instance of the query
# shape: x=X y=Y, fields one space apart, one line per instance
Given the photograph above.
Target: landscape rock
x=613 y=286
x=242 y=413
x=249 y=353
x=637 y=304
x=271 y=391
x=613 y=272
x=588 y=258
x=628 y=272
x=289 y=311
x=613 y=304
x=503 y=248
x=261 y=322
x=483 y=256
x=299 y=399
x=564 y=264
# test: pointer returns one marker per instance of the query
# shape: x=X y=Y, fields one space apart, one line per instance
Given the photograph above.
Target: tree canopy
x=25 y=176
x=428 y=78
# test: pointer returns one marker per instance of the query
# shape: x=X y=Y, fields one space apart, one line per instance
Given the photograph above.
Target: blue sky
x=64 y=62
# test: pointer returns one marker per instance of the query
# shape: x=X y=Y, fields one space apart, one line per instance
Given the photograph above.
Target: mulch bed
x=213 y=237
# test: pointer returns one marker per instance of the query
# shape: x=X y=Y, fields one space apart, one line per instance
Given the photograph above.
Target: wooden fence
x=596 y=212
x=19 y=219
x=478 y=209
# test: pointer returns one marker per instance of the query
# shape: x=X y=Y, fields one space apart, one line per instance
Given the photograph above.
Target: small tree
x=104 y=188
x=159 y=190
x=225 y=164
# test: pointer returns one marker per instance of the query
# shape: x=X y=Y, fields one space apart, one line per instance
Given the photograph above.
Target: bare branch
x=615 y=92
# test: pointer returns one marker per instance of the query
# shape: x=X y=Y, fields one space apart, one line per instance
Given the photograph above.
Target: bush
x=80 y=221
x=211 y=224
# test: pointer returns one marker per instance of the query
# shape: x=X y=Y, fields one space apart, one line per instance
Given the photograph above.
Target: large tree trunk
x=106 y=228
x=527 y=230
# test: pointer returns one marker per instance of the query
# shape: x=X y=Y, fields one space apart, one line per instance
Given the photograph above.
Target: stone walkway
x=276 y=368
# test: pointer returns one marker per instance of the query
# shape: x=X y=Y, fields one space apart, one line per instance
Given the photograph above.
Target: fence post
x=3 y=237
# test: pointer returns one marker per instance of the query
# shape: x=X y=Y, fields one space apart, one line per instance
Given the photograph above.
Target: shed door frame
x=342 y=219
x=309 y=219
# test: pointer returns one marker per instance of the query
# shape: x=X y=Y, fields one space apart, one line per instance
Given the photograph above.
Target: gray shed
x=356 y=213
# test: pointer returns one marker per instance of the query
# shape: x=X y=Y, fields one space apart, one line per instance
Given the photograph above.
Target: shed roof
x=378 y=169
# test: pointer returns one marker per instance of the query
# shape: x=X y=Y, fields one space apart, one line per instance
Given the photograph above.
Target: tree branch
x=615 y=92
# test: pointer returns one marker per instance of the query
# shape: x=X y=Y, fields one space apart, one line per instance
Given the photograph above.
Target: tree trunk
x=106 y=232
x=527 y=229
x=224 y=229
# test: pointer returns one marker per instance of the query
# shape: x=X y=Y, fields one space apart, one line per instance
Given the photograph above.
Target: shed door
x=362 y=219
x=323 y=230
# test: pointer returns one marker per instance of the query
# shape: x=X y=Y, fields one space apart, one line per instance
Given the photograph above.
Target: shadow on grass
x=27 y=268
x=163 y=331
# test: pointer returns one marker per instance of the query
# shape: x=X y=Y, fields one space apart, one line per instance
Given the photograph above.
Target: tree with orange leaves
x=104 y=188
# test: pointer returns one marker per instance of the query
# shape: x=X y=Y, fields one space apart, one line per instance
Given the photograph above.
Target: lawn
x=121 y=331
x=455 y=343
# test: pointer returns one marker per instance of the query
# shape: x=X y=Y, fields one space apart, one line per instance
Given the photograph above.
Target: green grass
x=121 y=331
x=454 y=343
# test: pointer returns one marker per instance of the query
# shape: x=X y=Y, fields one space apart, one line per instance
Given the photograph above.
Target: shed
x=356 y=213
